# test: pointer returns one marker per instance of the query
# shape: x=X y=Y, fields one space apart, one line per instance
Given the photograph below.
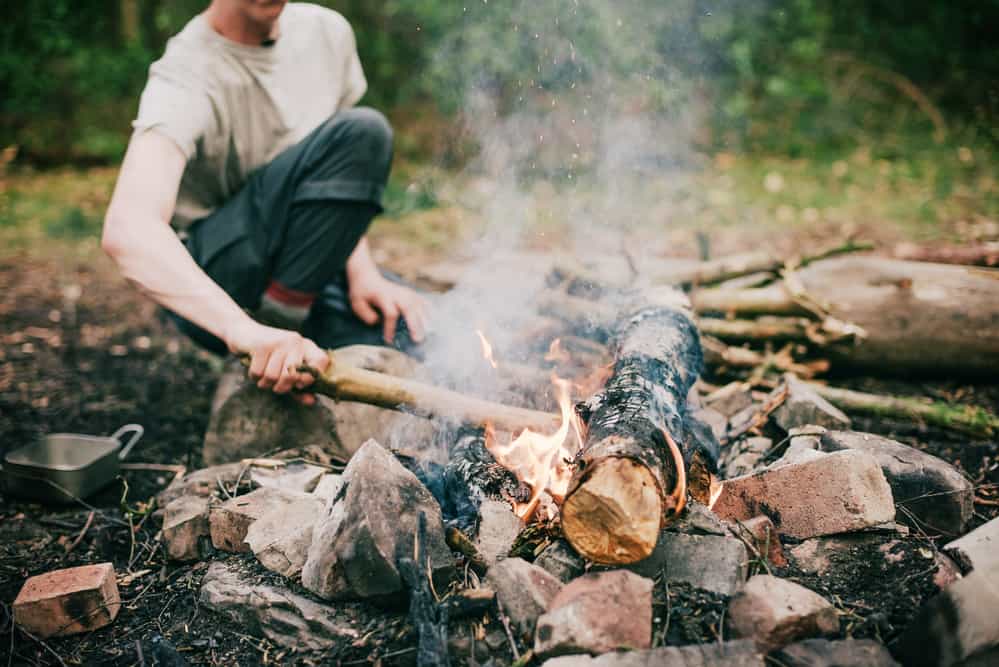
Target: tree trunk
x=631 y=471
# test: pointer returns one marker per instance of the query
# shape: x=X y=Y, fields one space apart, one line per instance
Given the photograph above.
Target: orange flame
x=715 y=491
x=543 y=462
x=487 y=349
x=556 y=352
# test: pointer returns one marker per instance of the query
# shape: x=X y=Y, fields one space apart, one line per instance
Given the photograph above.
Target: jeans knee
x=369 y=128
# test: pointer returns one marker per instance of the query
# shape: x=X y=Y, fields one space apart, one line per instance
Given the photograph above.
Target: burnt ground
x=81 y=352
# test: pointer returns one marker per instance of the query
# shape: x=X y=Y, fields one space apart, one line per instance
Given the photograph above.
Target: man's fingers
x=364 y=311
x=316 y=357
x=289 y=375
x=305 y=399
x=258 y=364
x=413 y=312
x=390 y=313
x=275 y=367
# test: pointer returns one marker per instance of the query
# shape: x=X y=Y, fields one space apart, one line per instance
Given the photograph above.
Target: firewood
x=631 y=473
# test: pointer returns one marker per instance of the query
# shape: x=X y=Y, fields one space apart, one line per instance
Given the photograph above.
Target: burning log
x=620 y=492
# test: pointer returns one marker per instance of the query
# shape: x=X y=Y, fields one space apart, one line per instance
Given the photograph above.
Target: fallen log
x=345 y=382
x=631 y=471
x=979 y=254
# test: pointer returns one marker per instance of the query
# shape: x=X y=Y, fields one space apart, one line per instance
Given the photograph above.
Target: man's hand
x=373 y=297
x=275 y=356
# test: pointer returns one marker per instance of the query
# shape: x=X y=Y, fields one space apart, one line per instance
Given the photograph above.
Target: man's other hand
x=373 y=297
x=275 y=357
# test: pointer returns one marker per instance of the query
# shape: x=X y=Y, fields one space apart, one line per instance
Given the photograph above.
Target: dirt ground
x=81 y=351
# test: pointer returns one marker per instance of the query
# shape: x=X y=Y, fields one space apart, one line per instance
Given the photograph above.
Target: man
x=247 y=144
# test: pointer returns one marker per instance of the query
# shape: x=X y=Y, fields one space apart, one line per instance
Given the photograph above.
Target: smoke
x=585 y=116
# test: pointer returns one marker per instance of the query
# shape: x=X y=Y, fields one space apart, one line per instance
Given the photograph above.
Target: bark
x=628 y=475
x=981 y=254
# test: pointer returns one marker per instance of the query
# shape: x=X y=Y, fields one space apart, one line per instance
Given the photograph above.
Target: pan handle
x=136 y=430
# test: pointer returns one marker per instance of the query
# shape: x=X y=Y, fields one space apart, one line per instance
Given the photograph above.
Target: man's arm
x=137 y=235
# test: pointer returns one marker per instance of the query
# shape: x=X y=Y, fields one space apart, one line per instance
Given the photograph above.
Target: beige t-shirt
x=232 y=108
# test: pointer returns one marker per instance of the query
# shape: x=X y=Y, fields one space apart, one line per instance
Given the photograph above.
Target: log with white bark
x=631 y=472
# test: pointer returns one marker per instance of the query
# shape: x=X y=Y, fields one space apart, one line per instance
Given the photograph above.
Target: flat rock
x=929 y=489
x=68 y=601
x=186 y=529
x=697 y=519
x=716 y=421
x=202 y=483
x=498 y=528
x=730 y=399
x=835 y=653
x=230 y=521
x=360 y=536
x=597 y=613
x=803 y=407
x=978 y=549
x=561 y=561
x=524 y=591
x=712 y=562
x=835 y=493
x=736 y=653
x=774 y=612
x=273 y=612
x=328 y=487
x=281 y=537
x=957 y=625
x=295 y=476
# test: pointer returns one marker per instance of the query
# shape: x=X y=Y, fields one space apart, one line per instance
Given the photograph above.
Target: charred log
x=632 y=470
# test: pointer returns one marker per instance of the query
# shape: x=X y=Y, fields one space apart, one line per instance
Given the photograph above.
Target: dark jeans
x=296 y=221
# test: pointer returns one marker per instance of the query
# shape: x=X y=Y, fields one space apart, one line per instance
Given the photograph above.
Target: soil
x=81 y=352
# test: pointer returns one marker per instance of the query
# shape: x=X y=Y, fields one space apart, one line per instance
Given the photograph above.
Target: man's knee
x=368 y=129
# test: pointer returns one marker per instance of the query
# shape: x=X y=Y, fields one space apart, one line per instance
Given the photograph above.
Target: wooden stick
x=344 y=382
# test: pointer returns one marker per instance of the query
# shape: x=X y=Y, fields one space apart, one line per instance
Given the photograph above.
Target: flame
x=715 y=491
x=487 y=349
x=556 y=353
x=543 y=462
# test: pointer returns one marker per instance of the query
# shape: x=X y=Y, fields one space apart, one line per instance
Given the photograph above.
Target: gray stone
x=597 y=613
x=281 y=537
x=835 y=493
x=774 y=612
x=957 y=625
x=359 y=538
x=328 y=487
x=498 y=528
x=697 y=519
x=978 y=549
x=523 y=590
x=803 y=445
x=230 y=521
x=712 y=562
x=295 y=476
x=730 y=399
x=561 y=561
x=835 y=653
x=186 y=530
x=744 y=456
x=737 y=653
x=274 y=612
x=716 y=421
x=803 y=407
x=925 y=487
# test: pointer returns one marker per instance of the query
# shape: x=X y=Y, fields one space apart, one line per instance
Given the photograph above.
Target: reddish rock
x=835 y=493
x=774 y=612
x=186 y=530
x=523 y=590
x=230 y=521
x=597 y=613
x=67 y=602
x=760 y=529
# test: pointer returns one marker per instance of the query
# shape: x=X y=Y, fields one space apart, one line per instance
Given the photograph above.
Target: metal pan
x=62 y=467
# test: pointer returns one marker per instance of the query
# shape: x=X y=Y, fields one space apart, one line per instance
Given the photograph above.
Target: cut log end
x=613 y=517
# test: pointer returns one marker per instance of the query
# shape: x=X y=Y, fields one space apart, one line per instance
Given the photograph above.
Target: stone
x=360 y=536
x=803 y=445
x=835 y=653
x=596 y=613
x=697 y=519
x=246 y=422
x=712 y=562
x=744 y=456
x=730 y=399
x=836 y=493
x=523 y=590
x=69 y=601
x=498 y=528
x=296 y=476
x=186 y=529
x=274 y=612
x=761 y=534
x=737 y=653
x=202 y=483
x=328 y=487
x=957 y=625
x=929 y=490
x=977 y=549
x=803 y=407
x=561 y=561
x=774 y=612
x=819 y=555
x=281 y=537
x=230 y=521
x=716 y=421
